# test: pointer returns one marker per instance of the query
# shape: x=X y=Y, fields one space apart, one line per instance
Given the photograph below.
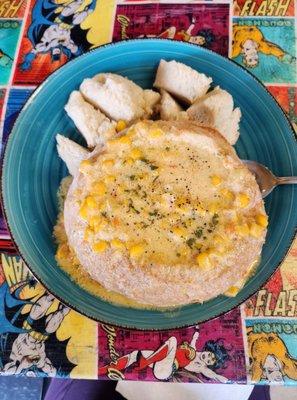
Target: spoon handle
x=287 y=180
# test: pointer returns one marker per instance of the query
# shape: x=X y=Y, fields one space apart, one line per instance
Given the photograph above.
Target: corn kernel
x=155 y=133
x=129 y=161
x=88 y=232
x=121 y=140
x=243 y=199
x=117 y=244
x=109 y=179
x=136 y=154
x=179 y=231
x=232 y=291
x=262 y=220
x=228 y=194
x=213 y=208
x=256 y=230
x=218 y=239
x=84 y=164
x=99 y=188
x=108 y=163
x=121 y=125
x=136 y=250
x=83 y=211
x=100 y=246
x=216 y=180
x=100 y=227
x=243 y=229
x=95 y=221
x=91 y=202
x=102 y=206
x=203 y=260
x=124 y=140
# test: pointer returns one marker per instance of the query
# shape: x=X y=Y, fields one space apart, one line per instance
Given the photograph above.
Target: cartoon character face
x=56 y=53
x=208 y=358
x=200 y=40
x=250 y=53
x=272 y=369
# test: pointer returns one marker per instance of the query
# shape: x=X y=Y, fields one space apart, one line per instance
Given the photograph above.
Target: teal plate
x=32 y=171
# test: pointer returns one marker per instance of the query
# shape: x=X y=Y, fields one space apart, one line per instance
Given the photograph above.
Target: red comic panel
x=52 y=36
x=7 y=246
x=2 y=95
x=210 y=352
x=287 y=98
x=273 y=300
x=202 y=24
x=260 y=8
x=12 y=8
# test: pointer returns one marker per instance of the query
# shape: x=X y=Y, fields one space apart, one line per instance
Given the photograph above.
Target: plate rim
x=13 y=133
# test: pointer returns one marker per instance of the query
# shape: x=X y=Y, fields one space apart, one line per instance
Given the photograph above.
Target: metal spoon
x=265 y=179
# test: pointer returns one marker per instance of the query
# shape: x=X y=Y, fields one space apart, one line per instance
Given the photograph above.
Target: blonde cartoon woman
x=249 y=41
x=171 y=358
x=270 y=358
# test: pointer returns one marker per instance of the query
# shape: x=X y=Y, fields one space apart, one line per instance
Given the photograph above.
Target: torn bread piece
x=92 y=124
x=116 y=96
x=151 y=99
x=181 y=81
x=71 y=153
x=215 y=110
x=169 y=108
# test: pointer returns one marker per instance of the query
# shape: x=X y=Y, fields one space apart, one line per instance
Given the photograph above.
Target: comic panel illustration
x=9 y=34
x=6 y=244
x=39 y=335
x=272 y=350
x=12 y=8
x=15 y=102
x=287 y=98
x=53 y=35
x=2 y=95
x=202 y=24
x=262 y=8
x=278 y=298
x=266 y=47
x=211 y=352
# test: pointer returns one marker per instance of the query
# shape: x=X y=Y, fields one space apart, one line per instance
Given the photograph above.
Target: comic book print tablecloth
x=256 y=342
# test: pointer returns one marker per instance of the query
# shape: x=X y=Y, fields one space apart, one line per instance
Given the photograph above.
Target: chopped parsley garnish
x=104 y=214
x=132 y=177
x=131 y=207
x=198 y=233
x=146 y=161
x=190 y=242
x=153 y=213
x=214 y=220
